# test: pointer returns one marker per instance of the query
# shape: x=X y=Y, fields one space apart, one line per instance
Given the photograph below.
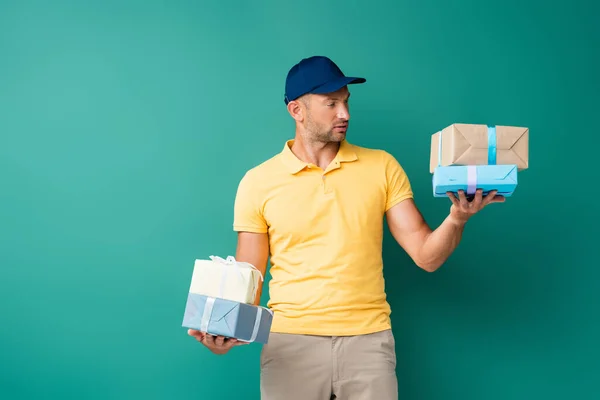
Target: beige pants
x=301 y=367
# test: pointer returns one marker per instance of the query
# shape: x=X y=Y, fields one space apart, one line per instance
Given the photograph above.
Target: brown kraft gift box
x=469 y=144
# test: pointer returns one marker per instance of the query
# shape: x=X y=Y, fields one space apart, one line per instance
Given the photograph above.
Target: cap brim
x=337 y=84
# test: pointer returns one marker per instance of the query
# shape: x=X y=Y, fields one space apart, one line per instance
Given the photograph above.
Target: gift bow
x=233 y=266
x=232 y=261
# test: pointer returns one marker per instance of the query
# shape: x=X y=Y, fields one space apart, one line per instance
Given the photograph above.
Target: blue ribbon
x=440 y=149
x=491 y=145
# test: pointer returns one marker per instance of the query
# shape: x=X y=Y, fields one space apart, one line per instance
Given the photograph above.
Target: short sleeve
x=397 y=182
x=247 y=214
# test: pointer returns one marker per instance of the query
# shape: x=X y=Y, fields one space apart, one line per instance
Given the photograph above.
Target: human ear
x=295 y=110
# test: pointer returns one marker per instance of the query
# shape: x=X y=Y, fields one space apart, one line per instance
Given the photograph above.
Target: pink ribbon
x=471 y=179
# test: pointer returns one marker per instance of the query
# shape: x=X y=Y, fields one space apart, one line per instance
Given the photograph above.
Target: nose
x=343 y=112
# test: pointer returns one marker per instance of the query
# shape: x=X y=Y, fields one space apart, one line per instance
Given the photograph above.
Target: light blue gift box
x=220 y=317
x=453 y=178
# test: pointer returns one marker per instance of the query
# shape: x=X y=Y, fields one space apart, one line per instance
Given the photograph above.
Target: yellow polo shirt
x=325 y=232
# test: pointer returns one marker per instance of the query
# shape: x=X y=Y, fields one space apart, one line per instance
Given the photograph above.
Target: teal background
x=125 y=127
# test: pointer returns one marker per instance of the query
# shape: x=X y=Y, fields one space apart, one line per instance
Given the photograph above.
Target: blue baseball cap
x=316 y=74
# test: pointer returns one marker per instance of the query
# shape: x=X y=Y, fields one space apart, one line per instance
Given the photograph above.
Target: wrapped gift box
x=226 y=278
x=227 y=318
x=502 y=178
x=475 y=144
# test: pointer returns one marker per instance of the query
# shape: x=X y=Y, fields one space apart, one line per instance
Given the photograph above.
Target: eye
x=330 y=104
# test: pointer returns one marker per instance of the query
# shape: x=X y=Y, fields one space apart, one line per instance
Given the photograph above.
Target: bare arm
x=253 y=248
x=429 y=248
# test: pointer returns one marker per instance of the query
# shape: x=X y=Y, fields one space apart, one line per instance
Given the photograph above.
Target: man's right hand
x=217 y=344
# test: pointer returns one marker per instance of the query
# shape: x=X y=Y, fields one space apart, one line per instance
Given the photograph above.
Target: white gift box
x=226 y=279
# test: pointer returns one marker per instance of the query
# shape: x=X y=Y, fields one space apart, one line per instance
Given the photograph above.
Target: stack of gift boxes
x=473 y=156
x=221 y=301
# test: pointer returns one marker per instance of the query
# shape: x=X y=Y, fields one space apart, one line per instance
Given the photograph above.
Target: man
x=317 y=209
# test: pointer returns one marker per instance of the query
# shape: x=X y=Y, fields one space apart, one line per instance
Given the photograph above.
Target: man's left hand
x=462 y=209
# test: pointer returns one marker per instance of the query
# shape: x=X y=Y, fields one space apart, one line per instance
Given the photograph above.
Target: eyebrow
x=337 y=98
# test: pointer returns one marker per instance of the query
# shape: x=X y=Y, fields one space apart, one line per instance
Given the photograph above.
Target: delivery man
x=317 y=208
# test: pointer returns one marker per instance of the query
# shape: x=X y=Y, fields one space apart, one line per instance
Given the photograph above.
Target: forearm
x=253 y=248
x=440 y=243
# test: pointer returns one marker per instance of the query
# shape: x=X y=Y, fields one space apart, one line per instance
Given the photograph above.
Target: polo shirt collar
x=295 y=165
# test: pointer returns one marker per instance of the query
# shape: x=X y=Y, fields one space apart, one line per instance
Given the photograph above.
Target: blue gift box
x=220 y=317
x=453 y=178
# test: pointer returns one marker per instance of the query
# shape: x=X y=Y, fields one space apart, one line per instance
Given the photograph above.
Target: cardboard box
x=228 y=318
x=225 y=278
x=473 y=144
x=502 y=178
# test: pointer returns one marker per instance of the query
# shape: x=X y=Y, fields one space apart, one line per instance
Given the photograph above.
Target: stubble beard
x=320 y=134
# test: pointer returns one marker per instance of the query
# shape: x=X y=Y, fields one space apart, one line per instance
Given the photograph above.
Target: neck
x=318 y=153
